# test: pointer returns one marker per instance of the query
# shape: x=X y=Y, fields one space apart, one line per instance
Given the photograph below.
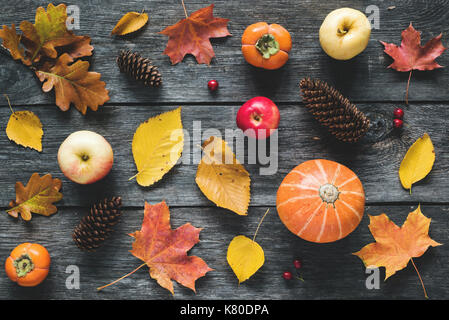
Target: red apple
x=259 y=114
x=85 y=157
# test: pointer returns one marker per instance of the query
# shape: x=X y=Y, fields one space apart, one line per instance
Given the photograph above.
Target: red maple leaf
x=164 y=250
x=410 y=55
x=191 y=36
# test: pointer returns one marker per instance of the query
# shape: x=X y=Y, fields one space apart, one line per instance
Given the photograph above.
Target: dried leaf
x=25 y=128
x=157 y=146
x=130 y=22
x=191 y=36
x=164 y=250
x=418 y=162
x=410 y=55
x=396 y=246
x=73 y=84
x=11 y=41
x=222 y=178
x=245 y=257
x=37 y=197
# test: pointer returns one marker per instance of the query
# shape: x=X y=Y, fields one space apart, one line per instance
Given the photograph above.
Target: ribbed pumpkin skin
x=303 y=210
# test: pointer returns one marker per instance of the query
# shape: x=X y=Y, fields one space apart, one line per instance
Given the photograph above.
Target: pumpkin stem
x=329 y=193
x=267 y=46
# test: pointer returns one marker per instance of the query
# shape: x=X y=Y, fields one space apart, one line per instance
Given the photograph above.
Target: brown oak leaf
x=37 y=197
x=164 y=250
x=11 y=41
x=396 y=246
x=410 y=55
x=73 y=83
x=191 y=36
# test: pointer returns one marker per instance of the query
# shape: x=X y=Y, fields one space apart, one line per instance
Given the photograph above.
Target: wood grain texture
x=330 y=271
x=365 y=78
x=375 y=159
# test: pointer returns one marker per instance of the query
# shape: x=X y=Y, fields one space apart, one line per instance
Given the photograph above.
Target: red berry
x=398 y=123
x=398 y=113
x=287 y=275
x=212 y=85
x=297 y=264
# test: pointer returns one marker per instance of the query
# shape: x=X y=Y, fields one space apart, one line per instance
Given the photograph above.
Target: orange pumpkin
x=321 y=201
x=28 y=264
x=266 y=46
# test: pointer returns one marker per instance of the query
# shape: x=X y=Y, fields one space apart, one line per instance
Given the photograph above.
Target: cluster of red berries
x=287 y=275
x=398 y=114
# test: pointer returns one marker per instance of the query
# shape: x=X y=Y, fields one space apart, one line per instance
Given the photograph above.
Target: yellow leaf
x=221 y=178
x=245 y=257
x=417 y=162
x=130 y=22
x=157 y=146
x=25 y=128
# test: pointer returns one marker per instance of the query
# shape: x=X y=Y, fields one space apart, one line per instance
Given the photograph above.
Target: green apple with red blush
x=85 y=157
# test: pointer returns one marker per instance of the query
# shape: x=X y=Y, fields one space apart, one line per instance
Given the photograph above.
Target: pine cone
x=332 y=110
x=95 y=227
x=139 y=68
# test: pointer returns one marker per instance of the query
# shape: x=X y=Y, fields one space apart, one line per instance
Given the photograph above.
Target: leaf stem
x=9 y=103
x=420 y=279
x=121 y=278
x=258 y=226
x=408 y=85
x=184 y=6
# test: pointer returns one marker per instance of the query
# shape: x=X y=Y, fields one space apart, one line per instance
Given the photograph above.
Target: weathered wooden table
x=329 y=270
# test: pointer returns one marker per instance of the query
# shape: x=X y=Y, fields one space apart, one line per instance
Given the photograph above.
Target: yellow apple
x=85 y=157
x=345 y=33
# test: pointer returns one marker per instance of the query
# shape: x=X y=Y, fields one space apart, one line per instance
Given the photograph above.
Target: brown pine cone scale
x=139 y=68
x=332 y=110
x=96 y=226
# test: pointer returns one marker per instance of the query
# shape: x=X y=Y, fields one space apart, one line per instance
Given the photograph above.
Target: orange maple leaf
x=192 y=34
x=164 y=250
x=396 y=246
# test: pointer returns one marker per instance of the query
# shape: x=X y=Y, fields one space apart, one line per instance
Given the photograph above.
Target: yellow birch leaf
x=221 y=178
x=245 y=257
x=418 y=162
x=25 y=128
x=130 y=22
x=157 y=146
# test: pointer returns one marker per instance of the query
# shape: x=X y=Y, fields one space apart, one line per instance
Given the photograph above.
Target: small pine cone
x=332 y=110
x=95 y=227
x=139 y=68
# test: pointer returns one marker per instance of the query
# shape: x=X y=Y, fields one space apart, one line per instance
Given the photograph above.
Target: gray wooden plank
x=329 y=270
x=362 y=78
x=375 y=159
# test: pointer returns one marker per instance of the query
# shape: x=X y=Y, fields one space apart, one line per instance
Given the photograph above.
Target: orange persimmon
x=28 y=264
x=321 y=201
x=266 y=46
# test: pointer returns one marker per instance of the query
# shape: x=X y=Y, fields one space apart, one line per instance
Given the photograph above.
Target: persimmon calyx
x=267 y=46
x=329 y=193
x=23 y=265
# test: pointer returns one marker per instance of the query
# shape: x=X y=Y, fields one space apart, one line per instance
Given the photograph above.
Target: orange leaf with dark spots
x=164 y=250
x=191 y=36
x=396 y=246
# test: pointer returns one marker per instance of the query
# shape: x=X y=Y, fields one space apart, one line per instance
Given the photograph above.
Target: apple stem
x=408 y=85
x=420 y=279
x=121 y=278
x=258 y=226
